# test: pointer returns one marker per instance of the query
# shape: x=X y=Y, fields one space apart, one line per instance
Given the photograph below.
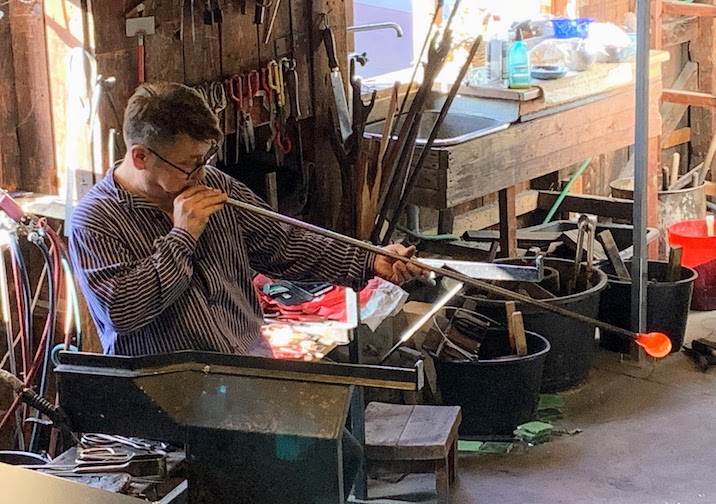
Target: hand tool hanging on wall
x=208 y=13
x=193 y=23
x=260 y=11
x=139 y=27
x=250 y=85
x=234 y=90
x=655 y=344
x=339 y=92
x=267 y=36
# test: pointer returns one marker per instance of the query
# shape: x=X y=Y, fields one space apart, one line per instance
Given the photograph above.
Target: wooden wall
x=26 y=146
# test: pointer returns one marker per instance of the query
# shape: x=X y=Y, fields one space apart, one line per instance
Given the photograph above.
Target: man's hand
x=396 y=271
x=194 y=206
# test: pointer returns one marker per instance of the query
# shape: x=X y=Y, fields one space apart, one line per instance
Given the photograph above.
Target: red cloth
x=331 y=305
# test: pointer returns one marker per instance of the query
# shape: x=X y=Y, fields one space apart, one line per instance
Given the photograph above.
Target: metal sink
x=456 y=129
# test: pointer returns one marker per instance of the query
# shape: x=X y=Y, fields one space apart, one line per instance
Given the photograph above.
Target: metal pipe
x=441 y=271
x=377 y=26
x=641 y=168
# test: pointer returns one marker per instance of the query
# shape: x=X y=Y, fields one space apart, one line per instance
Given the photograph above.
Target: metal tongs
x=587 y=226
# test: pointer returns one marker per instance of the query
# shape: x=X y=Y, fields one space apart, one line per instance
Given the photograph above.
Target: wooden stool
x=414 y=439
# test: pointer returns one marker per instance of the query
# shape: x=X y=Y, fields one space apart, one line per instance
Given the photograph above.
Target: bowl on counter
x=548 y=72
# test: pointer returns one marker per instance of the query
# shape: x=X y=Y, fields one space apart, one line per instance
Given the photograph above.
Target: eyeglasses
x=205 y=162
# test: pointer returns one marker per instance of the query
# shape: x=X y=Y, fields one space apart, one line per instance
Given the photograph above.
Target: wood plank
x=508 y=222
x=689 y=9
x=678 y=137
x=10 y=161
x=489 y=215
x=692 y=98
x=528 y=150
x=672 y=113
x=518 y=325
x=32 y=89
x=710 y=188
x=427 y=432
x=679 y=30
x=384 y=424
x=612 y=251
x=583 y=203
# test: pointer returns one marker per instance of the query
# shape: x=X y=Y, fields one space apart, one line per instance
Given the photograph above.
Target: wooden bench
x=414 y=439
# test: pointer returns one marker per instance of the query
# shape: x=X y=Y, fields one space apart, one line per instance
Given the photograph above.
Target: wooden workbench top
x=574 y=89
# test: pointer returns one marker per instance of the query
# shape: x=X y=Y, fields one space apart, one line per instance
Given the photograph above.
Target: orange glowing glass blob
x=655 y=344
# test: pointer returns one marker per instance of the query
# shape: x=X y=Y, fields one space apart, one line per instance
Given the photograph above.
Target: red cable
x=21 y=310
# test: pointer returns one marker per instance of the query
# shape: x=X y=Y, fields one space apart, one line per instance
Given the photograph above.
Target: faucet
x=376 y=26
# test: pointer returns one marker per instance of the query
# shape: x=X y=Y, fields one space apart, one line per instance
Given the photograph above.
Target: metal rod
x=441 y=271
x=427 y=148
x=641 y=169
x=410 y=331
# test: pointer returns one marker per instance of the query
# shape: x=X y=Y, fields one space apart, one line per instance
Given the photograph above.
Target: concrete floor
x=648 y=435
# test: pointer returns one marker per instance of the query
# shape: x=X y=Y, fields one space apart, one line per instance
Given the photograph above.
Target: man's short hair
x=158 y=112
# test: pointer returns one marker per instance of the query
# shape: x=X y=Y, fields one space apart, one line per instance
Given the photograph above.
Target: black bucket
x=572 y=342
x=12 y=457
x=667 y=306
x=496 y=395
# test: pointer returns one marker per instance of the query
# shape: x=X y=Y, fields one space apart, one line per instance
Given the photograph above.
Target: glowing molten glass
x=655 y=344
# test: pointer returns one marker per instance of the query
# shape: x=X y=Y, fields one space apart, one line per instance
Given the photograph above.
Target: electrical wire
x=22 y=281
x=7 y=321
x=53 y=270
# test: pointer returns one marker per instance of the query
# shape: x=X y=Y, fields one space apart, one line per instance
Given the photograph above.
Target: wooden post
x=10 y=177
x=508 y=222
x=32 y=88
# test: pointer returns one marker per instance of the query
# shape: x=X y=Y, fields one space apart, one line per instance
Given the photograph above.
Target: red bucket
x=699 y=252
x=699 y=248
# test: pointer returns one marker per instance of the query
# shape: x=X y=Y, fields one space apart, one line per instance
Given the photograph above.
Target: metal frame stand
x=641 y=170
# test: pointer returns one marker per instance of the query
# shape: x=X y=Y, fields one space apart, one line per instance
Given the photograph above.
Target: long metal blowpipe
x=655 y=344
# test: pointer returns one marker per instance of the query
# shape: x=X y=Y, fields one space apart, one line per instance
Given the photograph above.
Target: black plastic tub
x=12 y=457
x=496 y=395
x=573 y=343
x=667 y=306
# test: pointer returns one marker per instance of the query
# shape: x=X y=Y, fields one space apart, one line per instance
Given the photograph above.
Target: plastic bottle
x=518 y=64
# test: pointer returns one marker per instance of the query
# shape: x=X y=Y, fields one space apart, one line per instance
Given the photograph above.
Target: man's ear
x=139 y=155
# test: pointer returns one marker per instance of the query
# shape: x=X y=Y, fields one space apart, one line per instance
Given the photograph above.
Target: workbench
x=575 y=123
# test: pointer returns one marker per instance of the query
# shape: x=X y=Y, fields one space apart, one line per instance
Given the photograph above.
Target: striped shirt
x=151 y=288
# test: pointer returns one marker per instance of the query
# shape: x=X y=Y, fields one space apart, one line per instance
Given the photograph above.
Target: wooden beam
x=10 y=176
x=710 y=188
x=692 y=98
x=688 y=9
x=32 y=88
x=678 y=137
x=489 y=215
x=679 y=30
x=671 y=113
x=657 y=26
x=583 y=203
